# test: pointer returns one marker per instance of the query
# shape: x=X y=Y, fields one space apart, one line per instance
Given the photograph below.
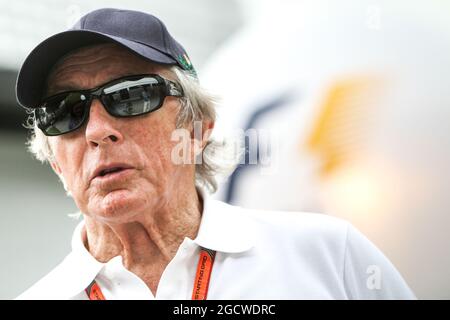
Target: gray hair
x=197 y=104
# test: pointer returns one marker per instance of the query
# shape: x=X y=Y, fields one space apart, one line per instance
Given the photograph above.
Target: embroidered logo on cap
x=184 y=60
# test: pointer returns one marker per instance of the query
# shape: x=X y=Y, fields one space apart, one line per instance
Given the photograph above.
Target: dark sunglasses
x=129 y=96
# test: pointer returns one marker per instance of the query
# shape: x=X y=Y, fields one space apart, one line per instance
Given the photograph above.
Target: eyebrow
x=56 y=89
x=62 y=88
x=70 y=86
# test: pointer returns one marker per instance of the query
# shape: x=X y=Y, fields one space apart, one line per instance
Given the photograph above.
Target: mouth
x=110 y=171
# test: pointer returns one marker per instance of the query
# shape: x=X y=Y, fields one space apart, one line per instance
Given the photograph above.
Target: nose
x=101 y=129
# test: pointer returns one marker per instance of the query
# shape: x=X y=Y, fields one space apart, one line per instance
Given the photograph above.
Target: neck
x=149 y=242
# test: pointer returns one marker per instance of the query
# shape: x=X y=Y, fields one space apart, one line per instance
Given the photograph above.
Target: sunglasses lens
x=133 y=98
x=62 y=113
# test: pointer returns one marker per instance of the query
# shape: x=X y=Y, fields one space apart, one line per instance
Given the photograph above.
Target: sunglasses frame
x=172 y=89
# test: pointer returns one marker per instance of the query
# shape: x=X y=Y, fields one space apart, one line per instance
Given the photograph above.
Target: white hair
x=197 y=104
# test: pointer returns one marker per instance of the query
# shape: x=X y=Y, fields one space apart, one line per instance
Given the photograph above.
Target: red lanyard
x=201 y=283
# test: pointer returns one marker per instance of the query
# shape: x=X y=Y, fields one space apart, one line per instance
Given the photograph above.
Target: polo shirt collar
x=224 y=228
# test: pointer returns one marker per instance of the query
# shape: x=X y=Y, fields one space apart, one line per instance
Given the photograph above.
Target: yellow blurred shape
x=343 y=122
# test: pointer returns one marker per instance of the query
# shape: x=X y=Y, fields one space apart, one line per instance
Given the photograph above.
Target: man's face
x=141 y=143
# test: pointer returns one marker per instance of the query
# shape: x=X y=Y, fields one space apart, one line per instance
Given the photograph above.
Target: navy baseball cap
x=140 y=32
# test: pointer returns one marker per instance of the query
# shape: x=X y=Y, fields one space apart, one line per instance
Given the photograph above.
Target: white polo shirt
x=260 y=255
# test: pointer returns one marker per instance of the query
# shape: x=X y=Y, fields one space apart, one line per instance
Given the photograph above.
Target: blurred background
x=346 y=104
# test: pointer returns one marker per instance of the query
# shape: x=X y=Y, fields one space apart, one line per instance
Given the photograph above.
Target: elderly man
x=105 y=99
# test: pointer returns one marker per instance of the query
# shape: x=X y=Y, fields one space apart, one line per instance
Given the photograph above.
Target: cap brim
x=34 y=71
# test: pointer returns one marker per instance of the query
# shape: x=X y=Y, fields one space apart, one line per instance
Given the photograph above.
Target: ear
x=200 y=134
x=58 y=172
x=55 y=168
x=207 y=128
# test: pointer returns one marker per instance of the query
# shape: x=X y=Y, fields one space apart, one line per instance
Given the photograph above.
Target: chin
x=119 y=206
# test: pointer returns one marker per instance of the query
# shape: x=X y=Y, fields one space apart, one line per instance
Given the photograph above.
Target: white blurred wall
x=392 y=141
